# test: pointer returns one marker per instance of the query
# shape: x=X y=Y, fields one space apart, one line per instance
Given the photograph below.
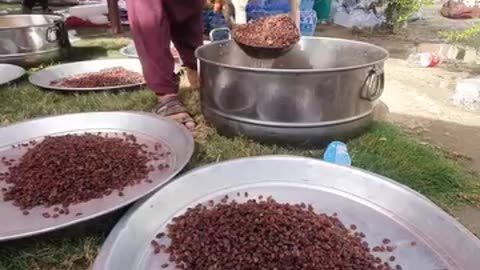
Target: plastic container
x=308 y=22
x=337 y=153
x=260 y=13
x=467 y=94
x=426 y=59
x=322 y=7
x=307 y=4
x=217 y=21
x=308 y=19
x=278 y=5
x=258 y=3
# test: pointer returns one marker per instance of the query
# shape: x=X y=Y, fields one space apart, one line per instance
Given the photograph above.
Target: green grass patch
x=385 y=150
x=9 y=7
x=389 y=151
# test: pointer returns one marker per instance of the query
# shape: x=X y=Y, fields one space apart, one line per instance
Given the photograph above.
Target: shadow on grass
x=86 y=53
x=93 y=33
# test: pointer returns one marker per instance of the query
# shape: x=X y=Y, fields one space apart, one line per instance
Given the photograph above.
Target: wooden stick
x=295 y=7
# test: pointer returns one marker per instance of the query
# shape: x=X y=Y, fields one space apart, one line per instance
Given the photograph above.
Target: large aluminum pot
x=323 y=89
x=29 y=40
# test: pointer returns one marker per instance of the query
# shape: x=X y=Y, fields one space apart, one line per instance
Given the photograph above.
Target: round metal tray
x=381 y=208
x=148 y=128
x=44 y=77
x=10 y=73
x=131 y=52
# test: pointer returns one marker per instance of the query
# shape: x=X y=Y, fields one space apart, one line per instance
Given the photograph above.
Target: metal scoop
x=267 y=52
x=264 y=53
x=254 y=52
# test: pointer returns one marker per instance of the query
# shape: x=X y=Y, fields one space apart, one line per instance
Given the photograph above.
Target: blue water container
x=307 y=4
x=261 y=13
x=282 y=6
x=258 y=3
x=337 y=152
x=308 y=16
x=308 y=22
x=217 y=20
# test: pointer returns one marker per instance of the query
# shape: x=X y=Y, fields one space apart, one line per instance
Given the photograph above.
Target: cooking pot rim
x=58 y=16
x=268 y=70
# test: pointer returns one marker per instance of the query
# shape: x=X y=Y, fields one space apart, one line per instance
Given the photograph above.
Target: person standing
x=154 y=24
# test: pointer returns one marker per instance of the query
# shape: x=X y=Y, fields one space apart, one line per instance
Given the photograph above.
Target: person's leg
x=187 y=36
x=150 y=26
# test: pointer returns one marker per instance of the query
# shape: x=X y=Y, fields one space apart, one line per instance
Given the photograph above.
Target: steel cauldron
x=323 y=89
x=28 y=40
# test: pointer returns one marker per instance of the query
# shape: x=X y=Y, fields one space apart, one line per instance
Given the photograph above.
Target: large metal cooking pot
x=28 y=40
x=323 y=89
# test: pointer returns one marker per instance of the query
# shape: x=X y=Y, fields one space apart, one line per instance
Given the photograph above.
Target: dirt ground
x=420 y=99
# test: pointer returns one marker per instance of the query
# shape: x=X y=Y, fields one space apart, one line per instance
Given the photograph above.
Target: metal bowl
x=323 y=89
x=381 y=208
x=28 y=40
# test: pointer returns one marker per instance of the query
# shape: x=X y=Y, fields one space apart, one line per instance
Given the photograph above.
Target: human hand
x=295 y=8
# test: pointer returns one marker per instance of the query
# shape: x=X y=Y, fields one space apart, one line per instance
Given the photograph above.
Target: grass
x=385 y=149
x=6 y=6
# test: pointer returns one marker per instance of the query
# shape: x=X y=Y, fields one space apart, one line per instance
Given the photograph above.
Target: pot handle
x=52 y=34
x=374 y=85
x=213 y=31
x=58 y=33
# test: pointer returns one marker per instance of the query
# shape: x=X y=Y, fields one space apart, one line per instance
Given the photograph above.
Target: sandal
x=170 y=106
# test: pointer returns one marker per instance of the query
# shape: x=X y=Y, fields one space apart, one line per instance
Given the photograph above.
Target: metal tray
x=10 y=73
x=381 y=208
x=44 y=77
x=131 y=52
x=148 y=129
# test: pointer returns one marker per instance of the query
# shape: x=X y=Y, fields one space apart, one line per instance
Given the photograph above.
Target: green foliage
x=469 y=37
x=399 y=11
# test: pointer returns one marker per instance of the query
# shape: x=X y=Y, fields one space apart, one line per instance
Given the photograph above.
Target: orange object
x=218 y=6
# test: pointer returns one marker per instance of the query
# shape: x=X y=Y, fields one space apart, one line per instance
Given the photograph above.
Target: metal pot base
x=317 y=136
